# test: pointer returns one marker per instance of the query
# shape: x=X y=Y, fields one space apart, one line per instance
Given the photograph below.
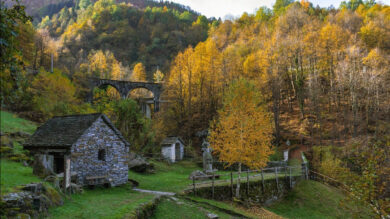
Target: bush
x=53 y=94
x=134 y=126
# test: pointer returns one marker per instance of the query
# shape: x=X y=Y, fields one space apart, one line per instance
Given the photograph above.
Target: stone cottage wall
x=85 y=154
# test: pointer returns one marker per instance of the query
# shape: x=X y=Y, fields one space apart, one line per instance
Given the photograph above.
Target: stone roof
x=64 y=131
x=171 y=140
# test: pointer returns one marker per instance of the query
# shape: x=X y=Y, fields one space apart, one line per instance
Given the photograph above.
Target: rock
x=174 y=199
x=23 y=216
x=212 y=216
x=139 y=164
x=6 y=141
x=20 y=134
x=74 y=188
x=35 y=188
x=133 y=182
x=199 y=175
x=33 y=200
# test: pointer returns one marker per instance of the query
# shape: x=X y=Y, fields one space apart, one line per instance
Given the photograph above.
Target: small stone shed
x=86 y=146
x=172 y=148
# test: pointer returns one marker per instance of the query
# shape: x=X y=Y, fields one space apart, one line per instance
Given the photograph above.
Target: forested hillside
x=322 y=73
x=39 y=9
x=123 y=32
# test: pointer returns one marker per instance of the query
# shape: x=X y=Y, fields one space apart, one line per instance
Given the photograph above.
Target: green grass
x=224 y=205
x=11 y=123
x=310 y=199
x=117 y=202
x=168 y=178
x=171 y=209
x=14 y=174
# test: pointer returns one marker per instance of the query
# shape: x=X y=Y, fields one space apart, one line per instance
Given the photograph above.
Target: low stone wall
x=31 y=202
x=256 y=193
x=146 y=210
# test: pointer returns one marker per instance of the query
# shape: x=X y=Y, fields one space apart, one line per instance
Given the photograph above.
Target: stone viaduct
x=125 y=87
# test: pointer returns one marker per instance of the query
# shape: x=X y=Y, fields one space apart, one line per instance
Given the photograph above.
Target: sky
x=221 y=8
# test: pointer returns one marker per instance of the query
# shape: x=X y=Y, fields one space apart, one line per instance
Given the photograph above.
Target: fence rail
x=219 y=178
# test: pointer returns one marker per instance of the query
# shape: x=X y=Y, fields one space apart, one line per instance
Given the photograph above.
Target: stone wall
x=257 y=193
x=85 y=155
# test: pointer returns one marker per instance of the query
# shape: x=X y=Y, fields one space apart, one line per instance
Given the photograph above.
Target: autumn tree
x=139 y=73
x=53 y=94
x=10 y=53
x=158 y=76
x=242 y=133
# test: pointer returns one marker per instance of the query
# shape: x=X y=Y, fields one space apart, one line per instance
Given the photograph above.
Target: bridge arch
x=125 y=87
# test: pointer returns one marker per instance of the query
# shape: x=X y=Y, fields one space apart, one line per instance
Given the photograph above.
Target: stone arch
x=105 y=86
x=125 y=87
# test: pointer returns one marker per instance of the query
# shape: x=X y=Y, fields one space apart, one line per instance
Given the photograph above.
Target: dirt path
x=155 y=192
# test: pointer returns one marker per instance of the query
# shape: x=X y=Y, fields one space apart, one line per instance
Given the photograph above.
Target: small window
x=102 y=155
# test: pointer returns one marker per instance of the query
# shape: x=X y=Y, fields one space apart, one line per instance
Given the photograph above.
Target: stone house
x=87 y=147
x=172 y=148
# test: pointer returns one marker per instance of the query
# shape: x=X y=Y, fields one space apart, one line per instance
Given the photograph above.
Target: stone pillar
x=67 y=174
x=147 y=111
x=156 y=105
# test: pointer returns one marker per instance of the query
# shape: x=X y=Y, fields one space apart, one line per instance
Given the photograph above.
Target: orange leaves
x=243 y=132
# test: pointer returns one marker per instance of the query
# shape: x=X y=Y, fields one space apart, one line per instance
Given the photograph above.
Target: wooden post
x=262 y=180
x=285 y=172
x=231 y=183
x=247 y=183
x=213 y=184
x=193 y=183
x=290 y=178
x=306 y=170
x=276 y=175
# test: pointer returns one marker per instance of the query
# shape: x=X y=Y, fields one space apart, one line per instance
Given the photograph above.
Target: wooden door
x=177 y=151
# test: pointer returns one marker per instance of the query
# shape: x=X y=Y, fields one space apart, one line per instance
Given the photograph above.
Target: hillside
x=311 y=199
x=151 y=33
x=39 y=9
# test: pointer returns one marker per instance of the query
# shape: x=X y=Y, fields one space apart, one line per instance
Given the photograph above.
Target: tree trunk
x=238 y=181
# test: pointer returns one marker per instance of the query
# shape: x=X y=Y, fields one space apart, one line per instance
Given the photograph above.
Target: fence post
x=193 y=182
x=285 y=172
x=306 y=170
x=262 y=181
x=231 y=182
x=247 y=183
x=213 y=185
x=276 y=177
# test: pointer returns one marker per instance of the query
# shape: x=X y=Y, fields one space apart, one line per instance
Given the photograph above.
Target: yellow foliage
x=139 y=73
x=243 y=132
x=53 y=94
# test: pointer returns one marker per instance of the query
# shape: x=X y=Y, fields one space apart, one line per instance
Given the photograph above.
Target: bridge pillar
x=156 y=105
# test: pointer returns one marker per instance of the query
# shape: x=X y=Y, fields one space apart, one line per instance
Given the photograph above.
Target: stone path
x=155 y=192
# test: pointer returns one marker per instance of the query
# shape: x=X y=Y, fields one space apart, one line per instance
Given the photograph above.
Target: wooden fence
x=225 y=178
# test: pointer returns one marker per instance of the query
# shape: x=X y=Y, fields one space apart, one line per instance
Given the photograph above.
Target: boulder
x=199 y=175
x=212 y=216
x=139 y=164
x=35 y=188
